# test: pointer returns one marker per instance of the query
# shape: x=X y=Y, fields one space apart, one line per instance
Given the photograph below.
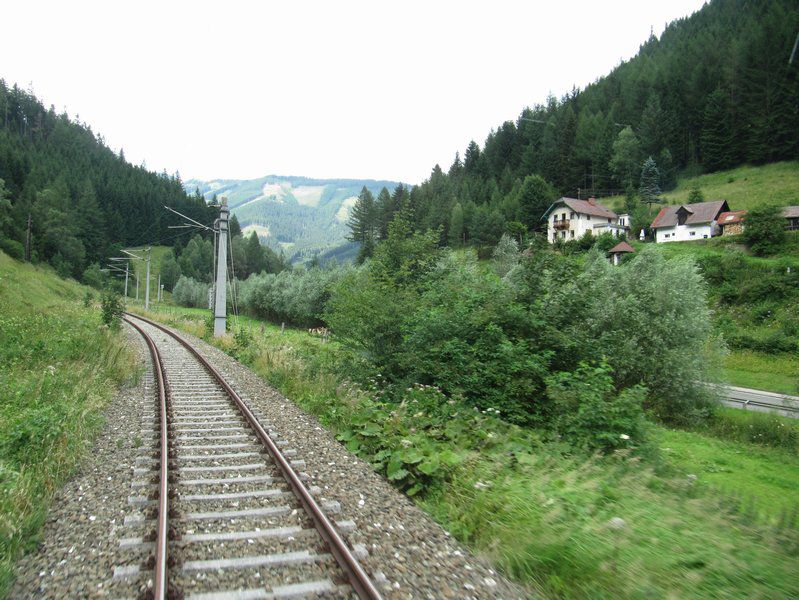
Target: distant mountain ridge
x=302 y=216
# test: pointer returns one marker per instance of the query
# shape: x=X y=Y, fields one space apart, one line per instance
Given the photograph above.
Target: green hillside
x=58 y=367
x=743 y=188
x=299 y=215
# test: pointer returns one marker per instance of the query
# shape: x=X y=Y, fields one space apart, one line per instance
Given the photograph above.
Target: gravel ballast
x=405 y=552
x=80 y=539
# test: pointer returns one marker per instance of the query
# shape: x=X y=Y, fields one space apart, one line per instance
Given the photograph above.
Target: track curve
x=205 y=430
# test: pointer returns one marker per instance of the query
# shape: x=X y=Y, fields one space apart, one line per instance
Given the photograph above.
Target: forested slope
x=81 y=199
x=716 y=90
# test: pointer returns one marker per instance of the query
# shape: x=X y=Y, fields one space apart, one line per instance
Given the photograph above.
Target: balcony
x=562 y=224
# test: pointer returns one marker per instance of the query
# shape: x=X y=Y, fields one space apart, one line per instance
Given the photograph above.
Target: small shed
x=791 y=213
x=618 y=250
x=732 y=222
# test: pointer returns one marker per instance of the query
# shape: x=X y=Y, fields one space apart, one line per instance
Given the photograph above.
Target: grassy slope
x=743 y=188
x=58 y=366
x=543 y=517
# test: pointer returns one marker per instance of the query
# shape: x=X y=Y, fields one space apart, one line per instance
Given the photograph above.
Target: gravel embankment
x=80 y=539
x=407 y=554
x=405 y=551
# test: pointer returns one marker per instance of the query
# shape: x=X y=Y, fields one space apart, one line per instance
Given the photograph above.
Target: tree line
x=67 y=199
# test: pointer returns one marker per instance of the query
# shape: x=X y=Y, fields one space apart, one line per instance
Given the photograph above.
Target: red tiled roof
x=701 y=212
x=621 y=247
x=730 y=217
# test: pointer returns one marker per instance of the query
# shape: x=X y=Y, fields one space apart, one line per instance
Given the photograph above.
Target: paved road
x=748 y=399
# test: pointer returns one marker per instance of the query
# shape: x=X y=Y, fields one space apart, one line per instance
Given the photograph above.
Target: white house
x=685 y=222
x=569 y=219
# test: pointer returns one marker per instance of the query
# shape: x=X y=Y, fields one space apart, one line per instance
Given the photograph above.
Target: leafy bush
x=764 y=230
x=112 y=308
x=590 y=413
x=754 y=427
x=773 y=342
x=648 y=318
x=470 y=337
x=190 y=292
x=12 y=247
x=295 y=296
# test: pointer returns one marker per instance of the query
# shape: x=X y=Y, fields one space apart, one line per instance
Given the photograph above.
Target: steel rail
x=161 y=546
x=355 y=573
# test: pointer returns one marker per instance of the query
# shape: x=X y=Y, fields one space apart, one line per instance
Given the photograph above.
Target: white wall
x=683 y=233
x=578 y=224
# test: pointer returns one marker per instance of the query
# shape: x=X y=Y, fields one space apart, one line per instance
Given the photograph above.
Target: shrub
x=756 y=428
x=13 y=248
x=591 y=414
x=469 y=336
x=764 y=230
x=191 y=293
x=648 y=318
x=296 y=296
x=112 y=308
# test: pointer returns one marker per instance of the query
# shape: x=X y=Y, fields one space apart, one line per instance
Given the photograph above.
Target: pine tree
x=650 y=182
x=716 y=140
x=535 y=196
x=456 y=226
x=362 y=224
x=626 y=157
x=695 y=196
x=651 y=133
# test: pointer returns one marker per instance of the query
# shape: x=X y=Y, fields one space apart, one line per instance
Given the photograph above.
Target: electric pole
x=137 y=286
x=158 y=295
x=147 y=289
x=127 y=270
x=220 y=303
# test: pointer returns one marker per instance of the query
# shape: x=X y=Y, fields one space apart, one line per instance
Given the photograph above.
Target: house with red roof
x=569 y=219
x=686 y=222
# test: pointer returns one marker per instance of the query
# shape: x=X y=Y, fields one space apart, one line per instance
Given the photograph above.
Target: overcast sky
x=324 y=89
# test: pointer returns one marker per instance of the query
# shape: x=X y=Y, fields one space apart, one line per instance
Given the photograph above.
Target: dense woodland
x=714 y=91
x=82 y=200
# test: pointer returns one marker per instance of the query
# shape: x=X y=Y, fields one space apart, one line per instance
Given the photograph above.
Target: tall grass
x=58 y=366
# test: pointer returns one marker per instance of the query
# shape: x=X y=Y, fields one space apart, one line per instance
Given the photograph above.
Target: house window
x=704 y=236
x=693 y=233
x=572 y=233
x=588 y=217
x=608 y=220
x=571 y=215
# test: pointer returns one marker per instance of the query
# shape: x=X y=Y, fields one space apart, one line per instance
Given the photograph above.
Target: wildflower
x=624 y=436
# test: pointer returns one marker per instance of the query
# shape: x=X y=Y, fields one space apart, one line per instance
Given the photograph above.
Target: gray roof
x=583 y=207
x=791 y=212
x=701 y=212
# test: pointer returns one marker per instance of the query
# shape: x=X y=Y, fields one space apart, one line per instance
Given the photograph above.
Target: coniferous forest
x=714 y=91
x=66 y=198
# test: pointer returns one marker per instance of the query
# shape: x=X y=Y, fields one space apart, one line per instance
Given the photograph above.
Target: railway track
x=218 y=510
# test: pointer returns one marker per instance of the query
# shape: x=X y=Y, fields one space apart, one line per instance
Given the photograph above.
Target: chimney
x=592 y=201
